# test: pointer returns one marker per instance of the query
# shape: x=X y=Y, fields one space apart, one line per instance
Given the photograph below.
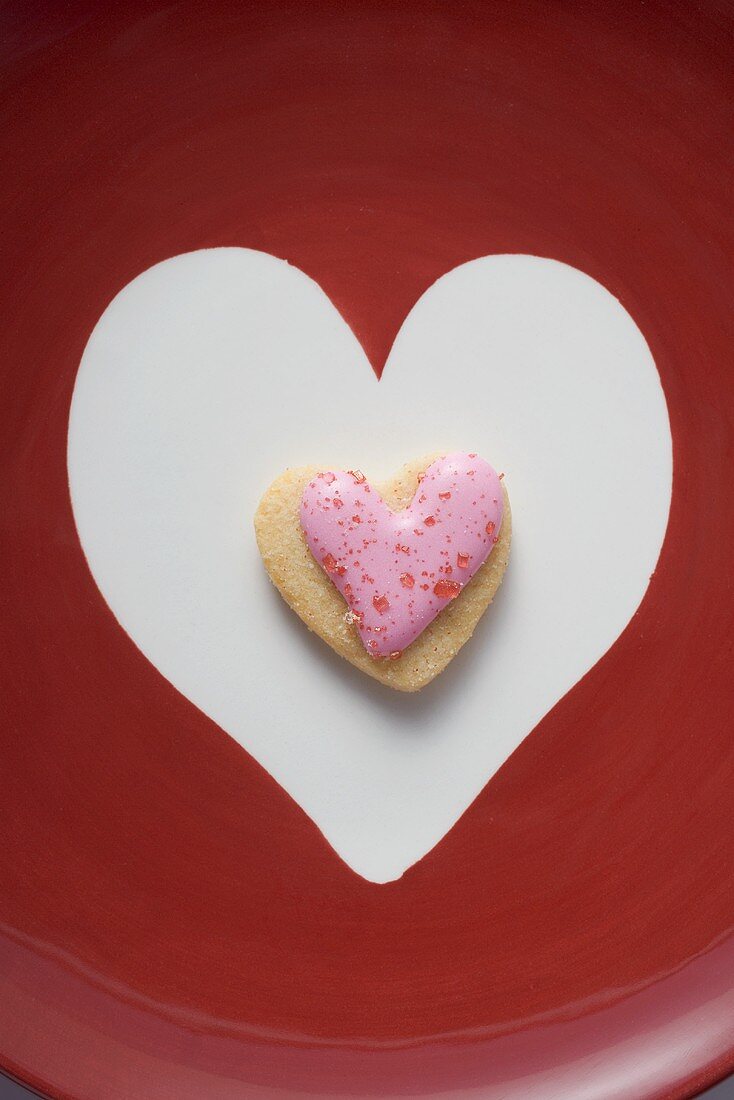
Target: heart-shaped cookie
x=414 y=558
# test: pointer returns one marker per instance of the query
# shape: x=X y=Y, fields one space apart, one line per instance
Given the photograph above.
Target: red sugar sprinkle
x=407 y=580
x=358 y=476
x=496 y=538
x=430 y=521
x=490 y=528
x=328 y=477
x=462 y=560
x=338 y=503
x=347 y=589
x=425 y=587
x=396 y=655
x=381 y=604
x=444 y=496
x=329 y=563
x=356 y=519
x=501 y=476
x=446 y=590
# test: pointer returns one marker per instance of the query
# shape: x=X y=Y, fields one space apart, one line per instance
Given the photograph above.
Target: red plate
x=171 y=924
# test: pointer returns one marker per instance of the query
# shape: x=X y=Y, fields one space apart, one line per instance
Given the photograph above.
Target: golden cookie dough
x=306 y=587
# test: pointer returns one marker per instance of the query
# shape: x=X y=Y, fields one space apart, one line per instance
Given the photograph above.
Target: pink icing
x=397 y=570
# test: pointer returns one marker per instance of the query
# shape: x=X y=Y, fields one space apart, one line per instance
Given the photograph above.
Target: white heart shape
x=212 y=371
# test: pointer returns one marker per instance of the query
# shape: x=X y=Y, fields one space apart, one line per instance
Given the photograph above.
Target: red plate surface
x=171 y=924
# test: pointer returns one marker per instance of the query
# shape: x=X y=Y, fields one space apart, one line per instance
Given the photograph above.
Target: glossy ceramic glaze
x=209 y=367
x=172 y=925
